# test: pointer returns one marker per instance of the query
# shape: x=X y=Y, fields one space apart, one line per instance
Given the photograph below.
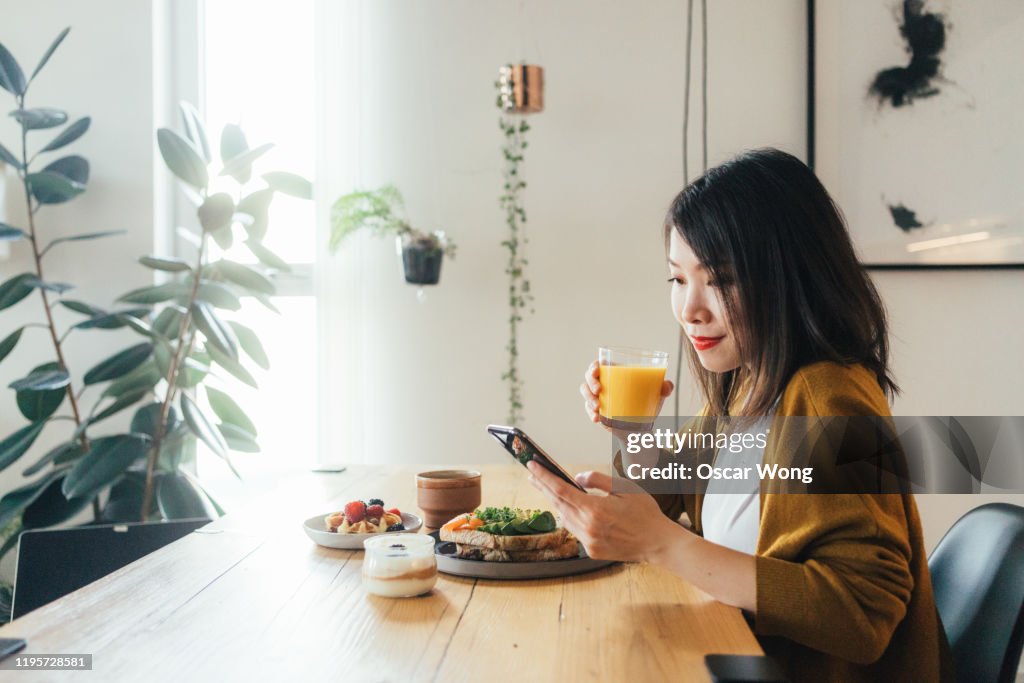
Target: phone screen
x=524 y=449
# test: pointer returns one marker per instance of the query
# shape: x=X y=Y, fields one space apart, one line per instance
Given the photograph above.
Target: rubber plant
x=47 y=387
x=140 y=472
x=519 y=296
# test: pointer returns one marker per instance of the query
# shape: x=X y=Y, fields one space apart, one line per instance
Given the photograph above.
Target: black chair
x=55 y=562
x=978 y=578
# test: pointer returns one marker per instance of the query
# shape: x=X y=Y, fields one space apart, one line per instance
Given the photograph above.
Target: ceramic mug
x=443 y=494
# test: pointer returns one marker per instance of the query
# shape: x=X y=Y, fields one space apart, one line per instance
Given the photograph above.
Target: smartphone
x=524 y=449
x=8 y=646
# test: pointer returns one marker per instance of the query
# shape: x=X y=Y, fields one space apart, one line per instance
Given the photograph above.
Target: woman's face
x=700 y=309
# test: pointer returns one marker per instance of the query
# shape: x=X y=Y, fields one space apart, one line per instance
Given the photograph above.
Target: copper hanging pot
x=521 y=88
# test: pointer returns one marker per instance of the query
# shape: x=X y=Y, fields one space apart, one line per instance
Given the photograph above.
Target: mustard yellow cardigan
x=843 y=589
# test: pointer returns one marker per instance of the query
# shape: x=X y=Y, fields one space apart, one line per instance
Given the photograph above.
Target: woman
x=782 y=322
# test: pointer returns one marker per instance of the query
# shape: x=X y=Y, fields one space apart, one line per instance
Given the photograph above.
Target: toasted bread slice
x=569 y=548
x=482 y=539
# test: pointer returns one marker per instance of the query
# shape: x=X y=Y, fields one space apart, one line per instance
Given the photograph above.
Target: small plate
x=444 y=551
x=317 y=530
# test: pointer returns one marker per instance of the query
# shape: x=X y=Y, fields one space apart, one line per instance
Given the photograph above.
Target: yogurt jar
x=399 y=565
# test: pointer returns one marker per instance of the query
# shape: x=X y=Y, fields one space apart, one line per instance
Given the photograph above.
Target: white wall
x=104 y=70
x=417 y=382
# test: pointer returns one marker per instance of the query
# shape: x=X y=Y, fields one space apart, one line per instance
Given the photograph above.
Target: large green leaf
x=111 y=321
x=119 y=364
x=224 y=237
x=42 y=380
x=125 y=500
x=51 y=507
x=289 y=183
x=216 y=211
x=49 y=52
x=147 y=418
x=179 y=498
x=9 y=342
x=8 y=157
x=17 y=500
x=257 y=205
x=58 y=287
x=167 y=265
x=245 y=277
x=267 y=257
x=81 y=307
x=195 y=131
x=251 y=344
x=267 y=303
x=178 y=446
x=232 y=142
x=73 y=167
x=15 y=445
x=240 y=167
x=17 y=288
x=204 y=429
x=219 y=296
x=168 y=321
x=216 y=332
x=157 y=293
x=192 y=371
x=238 y=439
x=53 y=188
x=123 y=401
x=39 y=405
x=228 y=411
x=232 y=366
x=182 y=158
x=144 y=377
x=9 y=233
x=39 y=118
x=83 y=237
x=69 y=134
x=12 y=78
x=65 y=452
x=106 y=461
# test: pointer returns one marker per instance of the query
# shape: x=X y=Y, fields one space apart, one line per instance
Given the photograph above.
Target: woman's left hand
x=629 y=527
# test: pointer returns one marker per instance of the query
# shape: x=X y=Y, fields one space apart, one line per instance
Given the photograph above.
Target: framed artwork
x=916 y=127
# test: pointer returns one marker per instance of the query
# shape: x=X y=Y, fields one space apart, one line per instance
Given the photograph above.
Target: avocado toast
x=509 y=535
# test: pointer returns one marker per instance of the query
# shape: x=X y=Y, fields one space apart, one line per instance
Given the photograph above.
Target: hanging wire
x=686 y=142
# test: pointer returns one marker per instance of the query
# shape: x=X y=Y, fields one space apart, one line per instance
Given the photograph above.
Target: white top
x=731 y=511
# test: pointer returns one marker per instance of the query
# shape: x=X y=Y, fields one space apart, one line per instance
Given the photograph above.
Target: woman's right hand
x=591 y=387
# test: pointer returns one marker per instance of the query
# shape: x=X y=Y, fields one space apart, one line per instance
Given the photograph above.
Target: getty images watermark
x=822 y=454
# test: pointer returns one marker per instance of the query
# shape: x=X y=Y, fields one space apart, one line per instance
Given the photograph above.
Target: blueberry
x=397 y=527
x=376 y=501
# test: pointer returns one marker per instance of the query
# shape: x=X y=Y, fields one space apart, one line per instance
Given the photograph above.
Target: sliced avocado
x=507 y=529
x=543 y=523
x=522 y=526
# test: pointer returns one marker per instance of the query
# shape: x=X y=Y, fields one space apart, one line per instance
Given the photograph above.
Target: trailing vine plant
x=519 y=295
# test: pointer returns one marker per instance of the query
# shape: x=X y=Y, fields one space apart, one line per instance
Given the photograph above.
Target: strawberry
x=355 y=511
x=395 y=511
x=375 y=511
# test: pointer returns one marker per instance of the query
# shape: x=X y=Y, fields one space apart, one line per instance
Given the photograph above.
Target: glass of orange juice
x=631 y=382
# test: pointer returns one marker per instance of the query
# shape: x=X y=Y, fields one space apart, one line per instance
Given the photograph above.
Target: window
x=257 y=70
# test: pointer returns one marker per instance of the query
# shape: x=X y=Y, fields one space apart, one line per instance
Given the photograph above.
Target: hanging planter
x=521 y=88
x=380 y=212
x=520 y=92
x=422 y=255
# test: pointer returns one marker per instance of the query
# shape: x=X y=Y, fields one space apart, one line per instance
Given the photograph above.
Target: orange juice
x=630 y=394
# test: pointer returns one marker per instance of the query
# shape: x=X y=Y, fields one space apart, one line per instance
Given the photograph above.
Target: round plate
x=317 y=530
x=481 y=569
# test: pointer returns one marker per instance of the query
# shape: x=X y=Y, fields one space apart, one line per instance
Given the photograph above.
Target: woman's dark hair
x=764 y=222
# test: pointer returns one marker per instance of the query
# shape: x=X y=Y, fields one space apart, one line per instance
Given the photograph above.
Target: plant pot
x=421 y=257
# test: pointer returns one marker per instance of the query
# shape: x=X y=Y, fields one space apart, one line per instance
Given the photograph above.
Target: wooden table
x=249 y=597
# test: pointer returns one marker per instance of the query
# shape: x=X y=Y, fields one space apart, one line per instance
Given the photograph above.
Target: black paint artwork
x=925 y=35
x=905 y=219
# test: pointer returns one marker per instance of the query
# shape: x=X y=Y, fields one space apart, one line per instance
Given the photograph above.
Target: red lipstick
x=705 y=343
